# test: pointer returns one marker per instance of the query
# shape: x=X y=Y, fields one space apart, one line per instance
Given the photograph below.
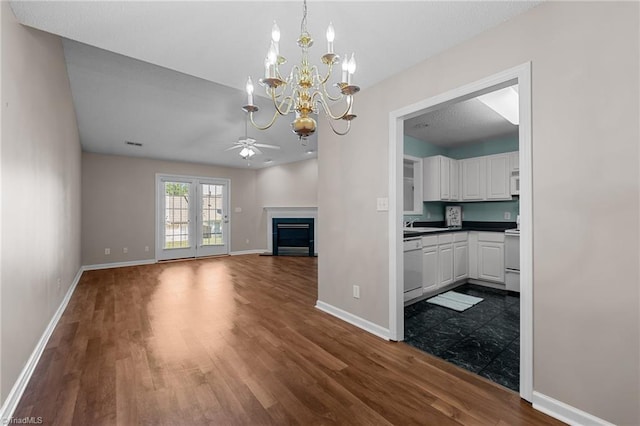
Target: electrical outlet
x=107 y=251
x=507 y=215
x=238 y=209
x=125 y=250
x=428 y=215
x=247 y=241
x=356 y=291
x=146 y=248
x=59 y=284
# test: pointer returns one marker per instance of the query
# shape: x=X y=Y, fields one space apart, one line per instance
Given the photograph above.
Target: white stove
x=512 y=259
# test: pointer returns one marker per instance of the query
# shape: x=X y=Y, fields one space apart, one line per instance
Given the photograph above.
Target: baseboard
x=354 y=319
x=242 y=252
x=489 y=284
x=565 y=412
x=118 y=264
x=12 y=400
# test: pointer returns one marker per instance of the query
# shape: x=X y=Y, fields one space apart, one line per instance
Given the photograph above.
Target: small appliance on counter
x=453 y=216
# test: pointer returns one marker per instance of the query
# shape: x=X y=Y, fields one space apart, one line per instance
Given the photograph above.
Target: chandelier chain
x=303 y=24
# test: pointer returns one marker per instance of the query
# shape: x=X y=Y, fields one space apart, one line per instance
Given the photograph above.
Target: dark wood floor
x=237 y=340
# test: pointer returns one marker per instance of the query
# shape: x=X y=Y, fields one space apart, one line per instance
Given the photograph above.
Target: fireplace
x=293 y=236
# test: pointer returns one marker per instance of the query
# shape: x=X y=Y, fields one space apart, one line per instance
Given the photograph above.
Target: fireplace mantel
x=282 y=212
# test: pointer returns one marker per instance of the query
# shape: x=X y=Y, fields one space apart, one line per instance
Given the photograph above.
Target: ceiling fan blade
x=264 y=145
x=256 y=150
x=233 y=147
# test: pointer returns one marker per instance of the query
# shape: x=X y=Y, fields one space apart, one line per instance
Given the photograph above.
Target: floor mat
x=456 y=301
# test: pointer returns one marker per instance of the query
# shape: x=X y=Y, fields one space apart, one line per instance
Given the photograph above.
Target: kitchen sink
x=424 y=229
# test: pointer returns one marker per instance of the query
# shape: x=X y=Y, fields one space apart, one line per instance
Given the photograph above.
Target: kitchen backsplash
x=491 y=211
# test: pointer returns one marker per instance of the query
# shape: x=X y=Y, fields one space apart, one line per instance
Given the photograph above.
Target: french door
x=192 y=217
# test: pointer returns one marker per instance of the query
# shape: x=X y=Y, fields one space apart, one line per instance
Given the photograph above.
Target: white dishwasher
x=412 y=268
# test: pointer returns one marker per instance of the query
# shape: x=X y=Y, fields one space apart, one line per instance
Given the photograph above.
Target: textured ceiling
x=459 y=124
x=214 y=46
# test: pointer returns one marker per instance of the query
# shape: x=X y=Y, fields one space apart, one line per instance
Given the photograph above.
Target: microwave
x=515 y=183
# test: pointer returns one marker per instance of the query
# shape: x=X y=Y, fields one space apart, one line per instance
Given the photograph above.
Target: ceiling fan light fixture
x=247 y=152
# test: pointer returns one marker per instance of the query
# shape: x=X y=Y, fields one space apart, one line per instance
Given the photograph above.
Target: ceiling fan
x=249 y=146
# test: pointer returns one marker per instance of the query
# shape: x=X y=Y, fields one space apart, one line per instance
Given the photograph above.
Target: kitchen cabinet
x=498 y=177
x=429 y=268
x=514 y=161
x=445 y=264
x=440 y=181
x=486 y=178
x=457 y=256
x=473 y=178
x=491 y=256
x=460 y=256
x=454 y=180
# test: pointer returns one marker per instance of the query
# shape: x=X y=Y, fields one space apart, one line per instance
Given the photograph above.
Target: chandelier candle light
x=304 y=90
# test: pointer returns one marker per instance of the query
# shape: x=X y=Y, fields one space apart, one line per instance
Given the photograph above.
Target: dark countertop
x=466 y=226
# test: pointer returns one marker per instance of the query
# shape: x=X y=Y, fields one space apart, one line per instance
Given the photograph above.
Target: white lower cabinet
x=445 y=264
x=460 y=261
x=491 y=256
x=454 y=257
x=429 y=268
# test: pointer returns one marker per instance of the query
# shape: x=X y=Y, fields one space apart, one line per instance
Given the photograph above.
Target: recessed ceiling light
x=138 y=144
x=310 y=151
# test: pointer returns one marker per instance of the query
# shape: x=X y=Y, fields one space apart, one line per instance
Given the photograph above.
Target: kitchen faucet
x=409 y=223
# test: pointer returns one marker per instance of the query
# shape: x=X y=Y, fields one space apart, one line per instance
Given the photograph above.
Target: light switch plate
x=238 y=210
x=507 y=215
x=383 y=204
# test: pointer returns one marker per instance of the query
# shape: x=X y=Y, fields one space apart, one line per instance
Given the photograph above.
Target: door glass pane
x=176 y=205
x=212 y=215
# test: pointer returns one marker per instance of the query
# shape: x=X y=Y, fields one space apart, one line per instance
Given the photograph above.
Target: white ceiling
x=190 y=110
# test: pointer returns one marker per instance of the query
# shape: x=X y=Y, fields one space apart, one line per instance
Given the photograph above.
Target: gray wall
x=585 y=87
x=40 y=190
x=118 y=202
x=118 y=205
x=289 y=185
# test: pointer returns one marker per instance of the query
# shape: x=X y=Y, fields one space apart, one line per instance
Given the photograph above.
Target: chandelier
x=304 y=91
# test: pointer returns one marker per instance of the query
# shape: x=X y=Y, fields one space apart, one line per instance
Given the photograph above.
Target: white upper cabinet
x=473 y=179
x=440 y=181
x=454 y=180
x=486 y=178
x=498 y=177
x=514 y=161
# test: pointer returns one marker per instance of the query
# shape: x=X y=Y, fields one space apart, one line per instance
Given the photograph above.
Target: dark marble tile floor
x=484 y=339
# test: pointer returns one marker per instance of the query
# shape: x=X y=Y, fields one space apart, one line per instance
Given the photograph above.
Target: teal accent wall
x=488 y=211
x=494 y=146
x=418 y=148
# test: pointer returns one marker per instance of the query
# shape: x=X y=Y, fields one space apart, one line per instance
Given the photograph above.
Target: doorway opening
x=192 y=217
x=520 y=76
